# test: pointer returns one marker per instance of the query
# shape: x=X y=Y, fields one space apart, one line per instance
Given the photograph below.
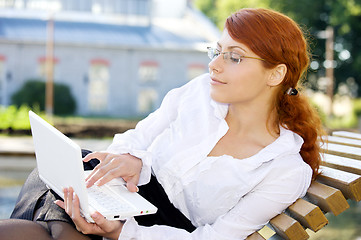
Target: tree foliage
x=314 y=16
x=33 y=94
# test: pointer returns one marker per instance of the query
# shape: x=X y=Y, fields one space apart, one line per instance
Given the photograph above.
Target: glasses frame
x=212 y=54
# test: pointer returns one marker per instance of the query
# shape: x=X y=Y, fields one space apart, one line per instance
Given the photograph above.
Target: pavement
x=17 y=160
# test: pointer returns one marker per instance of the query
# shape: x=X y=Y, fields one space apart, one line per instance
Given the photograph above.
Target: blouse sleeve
x=252 y=212
x=136 y=141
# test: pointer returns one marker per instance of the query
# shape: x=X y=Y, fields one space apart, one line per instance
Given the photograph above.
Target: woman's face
x=234 y=83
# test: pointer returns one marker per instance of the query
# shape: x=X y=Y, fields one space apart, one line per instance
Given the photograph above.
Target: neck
x=252 y=121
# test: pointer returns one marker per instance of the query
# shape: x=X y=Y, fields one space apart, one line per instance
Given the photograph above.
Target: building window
x=148 y=71
x=42 y=67
x=3 y=81
x=98 y=86
x=194 y=70
x=147 y=100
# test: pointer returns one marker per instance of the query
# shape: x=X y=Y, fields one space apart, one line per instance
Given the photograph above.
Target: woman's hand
x=101 y=227
x=112 y=166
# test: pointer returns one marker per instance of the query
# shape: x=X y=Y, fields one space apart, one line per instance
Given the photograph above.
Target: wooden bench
x=340 y=179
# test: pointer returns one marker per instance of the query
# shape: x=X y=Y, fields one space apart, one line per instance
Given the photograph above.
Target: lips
x=215 y=81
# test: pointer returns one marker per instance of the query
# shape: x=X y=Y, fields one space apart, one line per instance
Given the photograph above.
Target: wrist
x=116 y=233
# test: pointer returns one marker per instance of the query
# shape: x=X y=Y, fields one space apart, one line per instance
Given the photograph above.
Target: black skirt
x=36 y=197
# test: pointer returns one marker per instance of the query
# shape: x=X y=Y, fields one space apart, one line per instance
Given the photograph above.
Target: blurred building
x=119 y=57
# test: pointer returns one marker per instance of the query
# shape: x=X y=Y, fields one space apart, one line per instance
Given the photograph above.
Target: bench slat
x=347 y=134
x=264 y=233
x=308 y=214
x=288 y=228
x=344 y=141
x=255 y=236
x=348 y=183
x=329 y=199
x=342 y=150
x=342 y=163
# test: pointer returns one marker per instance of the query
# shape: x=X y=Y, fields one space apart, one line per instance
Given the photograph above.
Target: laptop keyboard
x=103 y=199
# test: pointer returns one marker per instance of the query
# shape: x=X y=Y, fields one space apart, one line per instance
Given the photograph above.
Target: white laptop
x=60 y=165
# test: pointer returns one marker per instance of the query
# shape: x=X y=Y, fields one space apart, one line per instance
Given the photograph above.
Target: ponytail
x=296 y=114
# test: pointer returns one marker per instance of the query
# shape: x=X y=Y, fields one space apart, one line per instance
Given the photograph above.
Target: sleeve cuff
x=129 y=230
x=146 y=171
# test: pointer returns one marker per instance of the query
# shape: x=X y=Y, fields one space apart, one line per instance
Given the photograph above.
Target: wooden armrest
x=348 y=183
x=329 y=199
x=342 y=163
x=308 y=214
x=288 y=228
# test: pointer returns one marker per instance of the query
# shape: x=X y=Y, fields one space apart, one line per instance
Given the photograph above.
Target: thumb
x=100 y=220
x=132 y=185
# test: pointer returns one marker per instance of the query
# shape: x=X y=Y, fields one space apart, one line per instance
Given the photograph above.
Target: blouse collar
x=288 y=143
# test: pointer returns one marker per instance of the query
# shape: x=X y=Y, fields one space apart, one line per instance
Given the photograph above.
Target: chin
x=219 y=98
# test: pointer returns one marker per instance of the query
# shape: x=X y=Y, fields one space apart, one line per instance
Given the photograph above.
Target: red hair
x=279 y=40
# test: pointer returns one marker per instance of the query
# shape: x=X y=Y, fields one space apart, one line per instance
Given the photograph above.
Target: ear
x=277 y=75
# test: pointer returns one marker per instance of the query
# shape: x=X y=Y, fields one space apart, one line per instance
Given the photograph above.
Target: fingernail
x=95 y=216
x=137 y=189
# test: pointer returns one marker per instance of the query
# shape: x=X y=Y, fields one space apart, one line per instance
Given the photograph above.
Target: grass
x=10 y=182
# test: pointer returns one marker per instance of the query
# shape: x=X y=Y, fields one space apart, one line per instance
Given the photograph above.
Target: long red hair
x=279 y=40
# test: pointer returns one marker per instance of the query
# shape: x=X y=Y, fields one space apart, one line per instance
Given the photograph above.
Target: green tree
x=344 y=17
x=219 y=10
x=33 y=94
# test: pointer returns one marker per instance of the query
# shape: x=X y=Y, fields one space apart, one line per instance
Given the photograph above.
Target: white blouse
x=224 y=197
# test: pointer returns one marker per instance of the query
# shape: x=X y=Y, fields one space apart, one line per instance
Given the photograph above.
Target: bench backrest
x=340 y=179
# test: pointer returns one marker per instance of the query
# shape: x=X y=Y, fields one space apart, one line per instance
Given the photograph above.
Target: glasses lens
x=211 y=53
x=235 y=57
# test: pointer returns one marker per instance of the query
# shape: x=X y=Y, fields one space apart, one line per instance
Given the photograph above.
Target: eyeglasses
x=228 y=56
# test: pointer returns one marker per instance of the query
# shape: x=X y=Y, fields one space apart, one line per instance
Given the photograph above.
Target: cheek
x=244 y=85
x=242 y=88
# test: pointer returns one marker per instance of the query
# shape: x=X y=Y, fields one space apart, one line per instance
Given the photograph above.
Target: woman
x=229 y=150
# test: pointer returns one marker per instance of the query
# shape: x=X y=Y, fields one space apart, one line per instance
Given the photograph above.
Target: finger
x=76 y=209
x=69 y=202
x=132 y=184
x=98 y=155
x=110 y=174
x=66 y=192
x=101 y=163
x=104 y=173
x=102 y=222
x=81 y=224
x=105 y=225
x=95 y=175
x=60 y=203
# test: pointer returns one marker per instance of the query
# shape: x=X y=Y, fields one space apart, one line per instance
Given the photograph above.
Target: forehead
x=227 y=42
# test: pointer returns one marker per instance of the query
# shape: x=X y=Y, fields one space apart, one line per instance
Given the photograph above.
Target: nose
x=215 y=65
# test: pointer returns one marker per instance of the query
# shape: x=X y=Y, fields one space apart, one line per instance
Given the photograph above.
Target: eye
x=235 y=57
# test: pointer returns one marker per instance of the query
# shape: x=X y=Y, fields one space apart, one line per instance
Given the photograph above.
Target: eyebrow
x=232 y=47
